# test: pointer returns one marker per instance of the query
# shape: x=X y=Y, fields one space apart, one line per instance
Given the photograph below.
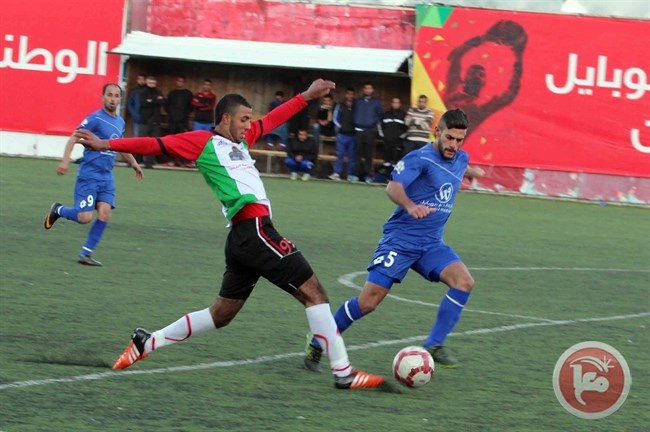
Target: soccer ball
x=413 y=366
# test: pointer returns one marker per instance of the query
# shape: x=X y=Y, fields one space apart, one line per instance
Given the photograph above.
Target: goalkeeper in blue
x=424 y=185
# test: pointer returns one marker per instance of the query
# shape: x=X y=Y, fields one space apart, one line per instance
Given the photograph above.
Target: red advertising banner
x=284 y=22
x=542 y=91
x=54 y=62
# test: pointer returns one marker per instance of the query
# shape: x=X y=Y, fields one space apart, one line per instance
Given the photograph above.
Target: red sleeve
x=187 y=145
x=275 y=118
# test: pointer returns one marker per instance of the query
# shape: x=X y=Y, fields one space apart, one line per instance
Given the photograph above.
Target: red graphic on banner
x=282 y=22
x=568 y=100
x=52 y=70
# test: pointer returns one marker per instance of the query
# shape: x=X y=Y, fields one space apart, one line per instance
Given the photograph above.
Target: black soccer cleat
x=88 y=260
x=51 y=216
x=313 y=355
x=443 y=357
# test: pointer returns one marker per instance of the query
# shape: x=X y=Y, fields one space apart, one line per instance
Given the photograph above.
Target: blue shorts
x=393 y=259
x=87 y=192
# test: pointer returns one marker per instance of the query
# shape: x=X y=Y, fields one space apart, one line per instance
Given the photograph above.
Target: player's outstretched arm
x=284 y=112
x=474 y=172
x=318 y=89
x=137 y=145
x=90 y=140
x=397 y=194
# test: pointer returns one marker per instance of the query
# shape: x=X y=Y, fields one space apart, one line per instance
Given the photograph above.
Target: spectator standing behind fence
x=392 y=129
x=302 y=153
x=151 y=102
x=345 y=143
x=204 y=102
x=280 y=133
x=367 y=117
x=179 y=107
x=324 y=124
x=133 y=103
x=419 y=120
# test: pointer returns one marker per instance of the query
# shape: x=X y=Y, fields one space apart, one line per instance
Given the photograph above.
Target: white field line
x=265 y=359
x=348 y=281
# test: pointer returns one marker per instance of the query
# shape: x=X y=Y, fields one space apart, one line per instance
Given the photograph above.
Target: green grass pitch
x=549 y=274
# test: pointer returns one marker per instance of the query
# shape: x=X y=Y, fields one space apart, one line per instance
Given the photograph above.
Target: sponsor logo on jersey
x=445 y=193
x=236 y=154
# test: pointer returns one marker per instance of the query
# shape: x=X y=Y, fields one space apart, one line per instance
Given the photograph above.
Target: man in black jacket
x=151 y=101
x=301 y=155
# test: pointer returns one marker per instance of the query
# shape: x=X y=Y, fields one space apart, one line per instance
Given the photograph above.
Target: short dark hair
x=423 y=96
x=229 y=104
x=350 y=89
x=207 y=80
x=279 y=93
x=454 y=119
x=106 y=86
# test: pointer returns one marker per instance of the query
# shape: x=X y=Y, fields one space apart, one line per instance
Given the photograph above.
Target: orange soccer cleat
x=134 y=351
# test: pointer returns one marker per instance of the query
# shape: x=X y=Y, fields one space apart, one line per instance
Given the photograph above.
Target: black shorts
x=255 y=249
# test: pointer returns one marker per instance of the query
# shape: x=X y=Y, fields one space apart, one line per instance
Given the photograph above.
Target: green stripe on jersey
x=223 y=177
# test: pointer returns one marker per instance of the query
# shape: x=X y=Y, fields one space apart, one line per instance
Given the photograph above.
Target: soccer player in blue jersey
x=95 y=185
x=424 y=185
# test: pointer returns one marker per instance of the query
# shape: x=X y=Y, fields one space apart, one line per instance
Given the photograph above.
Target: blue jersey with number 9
x=98 y=165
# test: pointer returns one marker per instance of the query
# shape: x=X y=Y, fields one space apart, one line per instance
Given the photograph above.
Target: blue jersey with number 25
x=430 y=180
x=98 y=165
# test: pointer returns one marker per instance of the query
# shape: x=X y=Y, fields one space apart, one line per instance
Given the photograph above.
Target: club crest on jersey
x=445 y=193
x=236 y=154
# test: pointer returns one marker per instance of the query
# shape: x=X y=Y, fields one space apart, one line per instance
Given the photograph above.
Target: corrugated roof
x=141 y=44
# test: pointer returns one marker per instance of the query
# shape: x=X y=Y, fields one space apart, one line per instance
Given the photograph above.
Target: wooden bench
x=272 y=155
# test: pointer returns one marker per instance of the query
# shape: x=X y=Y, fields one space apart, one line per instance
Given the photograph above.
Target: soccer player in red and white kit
x=254 y=248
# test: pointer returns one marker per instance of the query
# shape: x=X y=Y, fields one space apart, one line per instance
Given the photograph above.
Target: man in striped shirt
x=419 y=120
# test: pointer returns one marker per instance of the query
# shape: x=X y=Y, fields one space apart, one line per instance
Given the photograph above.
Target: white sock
x=323 y=327
x=189 y=325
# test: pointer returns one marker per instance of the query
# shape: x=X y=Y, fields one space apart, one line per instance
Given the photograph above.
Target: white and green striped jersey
x=230 y=172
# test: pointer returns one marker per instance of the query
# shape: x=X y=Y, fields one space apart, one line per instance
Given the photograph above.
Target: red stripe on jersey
x=250 y=211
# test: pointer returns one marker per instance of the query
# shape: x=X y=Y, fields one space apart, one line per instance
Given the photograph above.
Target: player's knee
x=311 y=293
x=466 y=283
x=220 y=318
x=221 y=321
x=84 y=217
x=368 y=305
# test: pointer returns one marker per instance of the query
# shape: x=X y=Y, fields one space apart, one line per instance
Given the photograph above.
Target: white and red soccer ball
x=413 y=366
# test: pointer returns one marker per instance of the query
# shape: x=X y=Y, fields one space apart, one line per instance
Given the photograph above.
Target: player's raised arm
x=284 y=112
